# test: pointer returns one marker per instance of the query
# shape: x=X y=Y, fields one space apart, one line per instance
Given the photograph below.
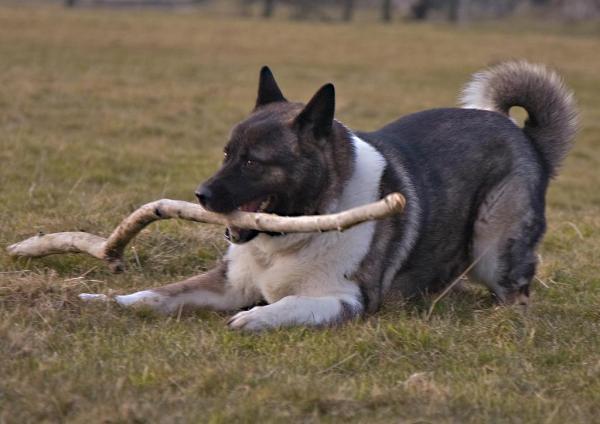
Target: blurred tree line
x=417 y=10
x=421 y=10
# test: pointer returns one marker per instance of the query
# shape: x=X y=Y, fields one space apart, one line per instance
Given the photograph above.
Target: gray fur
x=552 y=121
x=475 y=185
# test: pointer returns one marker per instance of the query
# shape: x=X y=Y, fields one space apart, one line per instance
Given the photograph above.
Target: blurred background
x=386 y=10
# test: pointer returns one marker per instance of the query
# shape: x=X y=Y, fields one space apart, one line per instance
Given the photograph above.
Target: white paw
x=93 y=297
x=256 y=319
x=141 y=298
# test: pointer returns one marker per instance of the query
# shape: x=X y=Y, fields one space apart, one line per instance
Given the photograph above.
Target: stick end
x=395 y=201
x=12 y=250
x=24 y=247
x=20 y=248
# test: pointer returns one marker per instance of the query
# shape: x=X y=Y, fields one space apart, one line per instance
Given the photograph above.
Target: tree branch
x=111 y=249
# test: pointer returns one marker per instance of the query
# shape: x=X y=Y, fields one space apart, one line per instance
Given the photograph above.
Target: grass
x=101 y=111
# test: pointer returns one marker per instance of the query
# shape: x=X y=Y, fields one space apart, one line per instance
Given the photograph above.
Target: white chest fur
x=312 y=264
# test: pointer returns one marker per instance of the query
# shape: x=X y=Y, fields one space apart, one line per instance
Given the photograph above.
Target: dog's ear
x=317 y=115
x=268 y=90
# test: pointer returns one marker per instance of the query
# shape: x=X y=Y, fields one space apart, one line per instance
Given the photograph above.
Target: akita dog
x=475 y=185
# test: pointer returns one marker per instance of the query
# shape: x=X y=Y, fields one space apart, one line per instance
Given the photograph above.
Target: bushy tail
x=552 y=120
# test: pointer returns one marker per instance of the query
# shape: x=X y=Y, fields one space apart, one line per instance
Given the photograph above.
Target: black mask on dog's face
x=272 y=162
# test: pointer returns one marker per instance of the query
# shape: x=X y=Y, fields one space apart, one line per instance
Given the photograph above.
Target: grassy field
x=102 y=111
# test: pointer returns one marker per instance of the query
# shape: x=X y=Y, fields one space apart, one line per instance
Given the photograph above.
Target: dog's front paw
x=142 y=299
x=93 y=297
x=256 y=319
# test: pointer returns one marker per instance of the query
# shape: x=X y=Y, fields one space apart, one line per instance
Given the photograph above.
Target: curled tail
x=552 y=121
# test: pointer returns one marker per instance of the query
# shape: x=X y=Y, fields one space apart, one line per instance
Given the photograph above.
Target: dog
x=474 y=181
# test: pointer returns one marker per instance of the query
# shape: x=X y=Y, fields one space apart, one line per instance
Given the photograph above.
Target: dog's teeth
x=263 y=205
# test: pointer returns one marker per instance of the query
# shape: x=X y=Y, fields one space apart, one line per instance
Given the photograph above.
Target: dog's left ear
x=268 y=90
x=318 y=114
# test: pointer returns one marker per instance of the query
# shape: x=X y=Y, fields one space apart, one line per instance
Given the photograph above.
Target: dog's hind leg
x=210 y=290
x=509 y=225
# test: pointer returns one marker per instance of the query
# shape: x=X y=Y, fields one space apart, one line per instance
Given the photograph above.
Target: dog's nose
x=204 y=194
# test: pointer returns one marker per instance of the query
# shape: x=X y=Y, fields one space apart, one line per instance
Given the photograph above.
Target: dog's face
x=275 y=160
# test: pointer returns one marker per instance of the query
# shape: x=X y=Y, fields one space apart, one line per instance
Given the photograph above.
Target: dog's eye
x=250 y=163
x=226 y=156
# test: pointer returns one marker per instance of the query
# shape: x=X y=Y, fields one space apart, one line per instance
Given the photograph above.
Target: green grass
x=102 y=111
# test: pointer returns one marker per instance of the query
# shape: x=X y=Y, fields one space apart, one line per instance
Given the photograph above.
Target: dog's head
x=278 y=160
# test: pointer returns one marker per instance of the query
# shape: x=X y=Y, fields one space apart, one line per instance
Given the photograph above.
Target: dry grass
x=103 y=111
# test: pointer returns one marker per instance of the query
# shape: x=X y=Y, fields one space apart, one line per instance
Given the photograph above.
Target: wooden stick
x=112 y=248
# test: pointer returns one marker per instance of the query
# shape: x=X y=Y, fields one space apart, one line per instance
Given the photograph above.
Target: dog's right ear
x=268 y=90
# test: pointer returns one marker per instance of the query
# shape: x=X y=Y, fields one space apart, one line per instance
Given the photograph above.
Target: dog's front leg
x=210 y=290
x=300 y=310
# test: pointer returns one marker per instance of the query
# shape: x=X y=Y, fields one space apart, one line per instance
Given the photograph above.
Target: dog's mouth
x=264 y=204
x=261 y=204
